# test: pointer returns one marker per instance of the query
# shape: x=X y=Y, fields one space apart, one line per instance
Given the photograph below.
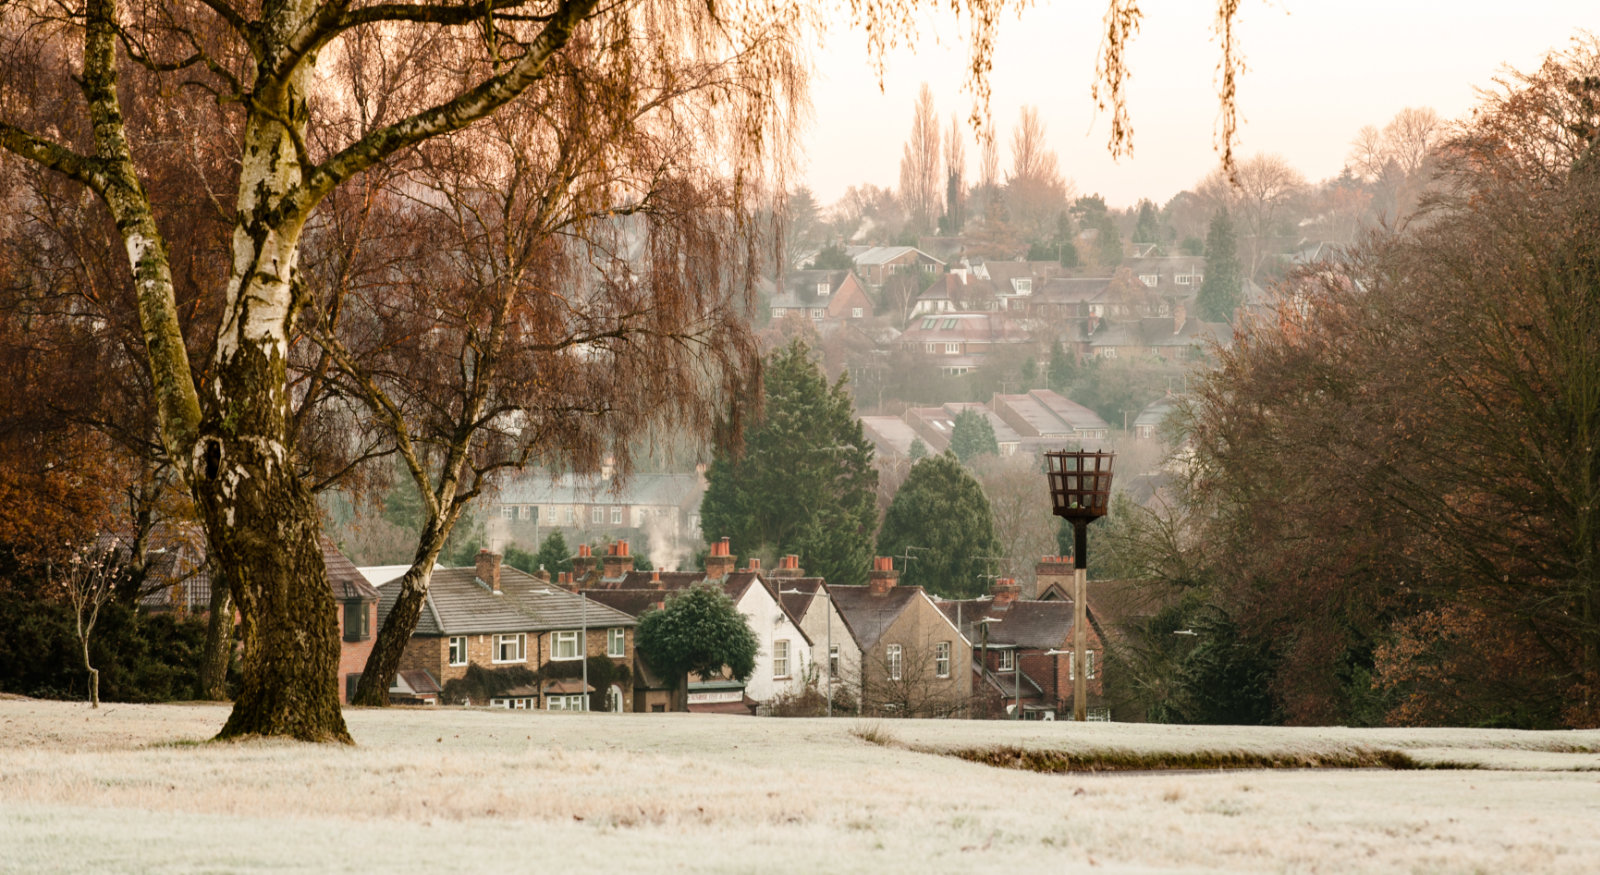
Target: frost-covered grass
x=138 y=788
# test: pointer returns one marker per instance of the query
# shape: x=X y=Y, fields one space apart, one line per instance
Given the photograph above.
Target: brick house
x=875 y=264
x=914 y=661
x=823 y=296
x=356 y=603
x=785 y=655
x=497 y=617
x=1023 y=651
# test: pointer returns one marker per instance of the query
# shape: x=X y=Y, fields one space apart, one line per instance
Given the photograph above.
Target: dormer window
x=1149 y=279
x=823 y=290
x=1023 y=286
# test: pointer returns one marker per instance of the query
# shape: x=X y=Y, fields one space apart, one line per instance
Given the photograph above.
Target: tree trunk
x=218 y=653
x=94 y=675
x=384 y=661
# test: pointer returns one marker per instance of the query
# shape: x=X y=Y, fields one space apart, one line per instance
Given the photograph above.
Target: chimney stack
x=489 y=570
x=755 y=564
x=1052 y=569
x=618 y=562
x=719 y=563
x=655 y=579
x=788 y=566
x=882 y=577
x=583 y=564
x=1005 y=591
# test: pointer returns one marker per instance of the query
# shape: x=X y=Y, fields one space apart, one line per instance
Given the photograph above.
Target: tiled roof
x=886 y=254
x=458 y=604
x=633 y=602
x=347 y=581
x=1044 y=413
x=417 y=682
x=868 y=616
x=1028 y=624
x=889 y=434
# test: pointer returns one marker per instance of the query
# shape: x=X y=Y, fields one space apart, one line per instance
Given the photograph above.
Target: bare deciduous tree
x=921 y=183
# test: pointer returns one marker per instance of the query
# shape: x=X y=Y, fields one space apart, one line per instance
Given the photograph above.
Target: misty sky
x=1318 y=71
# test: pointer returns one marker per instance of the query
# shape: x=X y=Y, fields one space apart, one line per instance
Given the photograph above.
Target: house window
x=927 y=324
x=508 y=511
x=833 y=660
x=570 y=519
x=597 y=515
x=941 y=659
x=823 y=289
x=458 y=650
x=511 y=648
x=519 y=704
x=525 y=511
x=616 y=643
x=816 y=314
x=1149 y=279
x=952 y=348
x=356 y=625
x=616 y=516
x=1072 y=666
x=1109 y=352
x=933 y=347
x=564 y=645
x=855 y=312
x=1023 y=286
x=565 y=703
x=949 y=323
x=614 y=700
x=780 y=659
x=894 y=662
x=777 y=312
x=1007 y=660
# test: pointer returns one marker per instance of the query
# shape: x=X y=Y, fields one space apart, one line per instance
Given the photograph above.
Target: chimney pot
x=721 y=561
x=1005 y=591
x=882 y=577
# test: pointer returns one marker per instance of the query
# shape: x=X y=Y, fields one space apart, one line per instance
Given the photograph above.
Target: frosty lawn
x=133 y=788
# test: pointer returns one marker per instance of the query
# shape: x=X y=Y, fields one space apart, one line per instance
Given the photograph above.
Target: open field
x=127 y=788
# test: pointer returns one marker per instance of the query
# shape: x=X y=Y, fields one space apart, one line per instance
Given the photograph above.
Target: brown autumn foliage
x=1399 y=463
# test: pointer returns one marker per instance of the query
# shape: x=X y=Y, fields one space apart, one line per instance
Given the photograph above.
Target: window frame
x=357 y=610
x=952 y=349
x=1005 y=660
x=616 y=642
x=518 y=639
x=451 y=654
x=941 y=659
x=597 y=515
x=833 y=660
x=560 y=639
x=895 y=656
x=780 y=659
x=616 y=516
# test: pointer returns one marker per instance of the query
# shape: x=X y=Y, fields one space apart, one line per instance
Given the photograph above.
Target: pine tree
x=1223 y=290
x=972 y=435
x=942 y=514
x=554 y=555
x=805 y=483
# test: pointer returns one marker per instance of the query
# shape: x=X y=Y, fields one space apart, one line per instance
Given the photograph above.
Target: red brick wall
x=353 y=654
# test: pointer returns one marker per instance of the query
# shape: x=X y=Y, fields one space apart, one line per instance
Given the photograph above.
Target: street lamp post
x=827 y=661
x=1080 y=491
x=983 y=651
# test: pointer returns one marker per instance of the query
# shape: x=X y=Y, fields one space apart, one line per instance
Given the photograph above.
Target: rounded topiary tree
x=699 y=631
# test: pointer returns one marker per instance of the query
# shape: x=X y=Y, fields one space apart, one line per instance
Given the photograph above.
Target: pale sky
x=1318 y=70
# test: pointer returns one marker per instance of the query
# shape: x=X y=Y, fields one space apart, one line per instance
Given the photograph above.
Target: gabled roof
x=795 y=604
x=1032 y=625
x=458 y=603
x=1045 y=413
x=637 y=590
x=868 y=616
x=800 y=289
x=890 y=435
x=884 y=254
x=347 y=581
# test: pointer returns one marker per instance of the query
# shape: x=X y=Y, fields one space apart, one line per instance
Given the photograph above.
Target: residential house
x=914 y=661
x=822 y=295
x=1147 y=424
x=875 y=264
x=785 y=652
x=959 y=342
x=809 y=601
x=1023 y=652
x=1176 y=337
x=356 y=603
x=658 y=512
x=496 y=617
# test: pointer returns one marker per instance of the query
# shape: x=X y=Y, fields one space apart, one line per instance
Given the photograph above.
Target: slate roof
x=869 y=616
x=1045 y=413
x=800 y=289
x=1030 y=625
x=635 y=592
x=886 y=254
x=890 y=435
x=795 y=604
x=457 y=603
